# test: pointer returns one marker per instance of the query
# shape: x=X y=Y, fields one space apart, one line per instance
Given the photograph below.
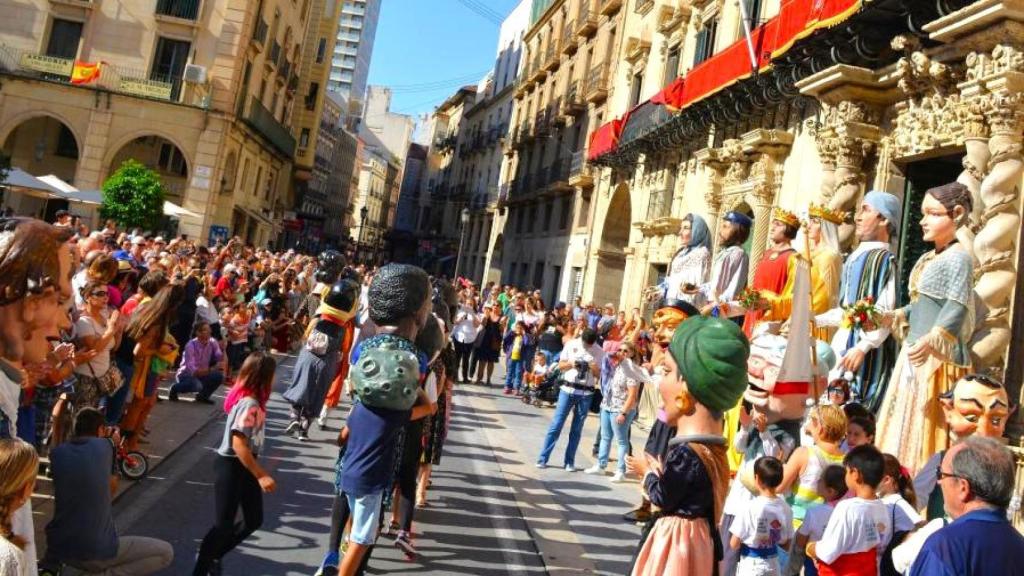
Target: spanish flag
x=85 y=72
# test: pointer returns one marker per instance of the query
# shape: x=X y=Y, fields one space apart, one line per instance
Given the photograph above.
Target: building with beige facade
x=846 y=96
x=570 y=57
x=202 y=91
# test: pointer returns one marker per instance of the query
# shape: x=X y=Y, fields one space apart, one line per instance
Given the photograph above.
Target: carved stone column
x=995 y=243
x=852 y=133
x=714 y=171
x=827 y=154
x=768 y=150
x=975 y=164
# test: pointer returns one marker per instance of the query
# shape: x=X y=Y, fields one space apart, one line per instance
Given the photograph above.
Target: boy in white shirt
x=832 y=486
x=764 y=525
x=860 y=527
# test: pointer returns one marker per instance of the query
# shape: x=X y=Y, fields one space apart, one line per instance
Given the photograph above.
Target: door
x=920 y=176
x=169 y=63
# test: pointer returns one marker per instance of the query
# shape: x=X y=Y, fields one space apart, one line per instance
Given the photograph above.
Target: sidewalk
x=171 y=425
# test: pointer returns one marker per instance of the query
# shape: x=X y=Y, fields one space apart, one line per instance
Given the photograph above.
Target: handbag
x=110 y=382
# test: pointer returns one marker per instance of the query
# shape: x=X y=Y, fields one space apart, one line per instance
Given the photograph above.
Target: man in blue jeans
x=580 y=364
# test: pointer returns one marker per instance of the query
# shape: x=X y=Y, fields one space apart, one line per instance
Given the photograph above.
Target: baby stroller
x=546 y=390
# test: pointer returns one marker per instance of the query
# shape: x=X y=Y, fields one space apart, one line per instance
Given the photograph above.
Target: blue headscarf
x=699 y=234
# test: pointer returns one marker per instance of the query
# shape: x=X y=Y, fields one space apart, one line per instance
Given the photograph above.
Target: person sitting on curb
x=82 y=533
x=201 y=369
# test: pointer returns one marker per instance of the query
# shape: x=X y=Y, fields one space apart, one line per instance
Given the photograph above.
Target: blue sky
x=426 y=49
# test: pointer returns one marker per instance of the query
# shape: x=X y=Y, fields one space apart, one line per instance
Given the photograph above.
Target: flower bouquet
x=862 y=314
x=751 y=299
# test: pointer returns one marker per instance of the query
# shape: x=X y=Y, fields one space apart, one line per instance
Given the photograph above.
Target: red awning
x=796 y=19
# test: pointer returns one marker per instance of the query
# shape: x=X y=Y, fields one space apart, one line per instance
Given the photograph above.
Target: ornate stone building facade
x=846 y=97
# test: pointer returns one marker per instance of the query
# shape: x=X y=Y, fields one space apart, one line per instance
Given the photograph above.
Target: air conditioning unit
x=195 y=74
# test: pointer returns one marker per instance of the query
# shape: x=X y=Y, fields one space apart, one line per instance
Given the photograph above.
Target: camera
x=582 y=371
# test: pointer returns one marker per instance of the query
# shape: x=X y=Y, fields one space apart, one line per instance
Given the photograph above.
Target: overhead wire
x=482 y=11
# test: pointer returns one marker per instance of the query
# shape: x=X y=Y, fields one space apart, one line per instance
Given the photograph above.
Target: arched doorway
x=40 y=146
x=163 y=157
x=611 y=256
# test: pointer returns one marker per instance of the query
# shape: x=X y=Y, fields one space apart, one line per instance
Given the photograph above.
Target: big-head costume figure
x=36 y=264
x=706 y=373
x=976 y=406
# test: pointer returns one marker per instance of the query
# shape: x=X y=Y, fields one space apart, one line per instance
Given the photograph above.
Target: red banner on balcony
x=671 y=96
x=797 y=19
x=605 y=138
x=85 y=72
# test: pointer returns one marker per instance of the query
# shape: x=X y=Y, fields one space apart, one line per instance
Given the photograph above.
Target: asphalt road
x=473 y=525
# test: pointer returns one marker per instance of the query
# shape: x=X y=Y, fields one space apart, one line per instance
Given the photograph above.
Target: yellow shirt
x=517 y=348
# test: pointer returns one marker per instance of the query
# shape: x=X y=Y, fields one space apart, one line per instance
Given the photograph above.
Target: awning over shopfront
x=24 y=182
x=172 y=209
x=797 y=19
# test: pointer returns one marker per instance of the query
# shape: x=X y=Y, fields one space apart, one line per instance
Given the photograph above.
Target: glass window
x=64 y=39
x=671 y=66
x=321 y=50
x=169 y=63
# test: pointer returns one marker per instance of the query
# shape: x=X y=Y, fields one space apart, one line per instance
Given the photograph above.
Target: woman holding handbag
x=98 y=332
x=488 y=345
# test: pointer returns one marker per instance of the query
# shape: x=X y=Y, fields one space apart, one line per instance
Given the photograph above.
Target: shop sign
x=47 y=64
x=146 y=88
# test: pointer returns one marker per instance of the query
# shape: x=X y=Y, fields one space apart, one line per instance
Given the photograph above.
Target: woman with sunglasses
x=99 y=331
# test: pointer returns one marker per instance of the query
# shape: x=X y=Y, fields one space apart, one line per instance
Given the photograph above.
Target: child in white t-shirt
x=897 y=493
x=832 y=486
x=859 y=528
x=764 y=525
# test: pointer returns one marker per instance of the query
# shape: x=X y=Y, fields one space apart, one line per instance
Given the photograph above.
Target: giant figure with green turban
x=706 y=374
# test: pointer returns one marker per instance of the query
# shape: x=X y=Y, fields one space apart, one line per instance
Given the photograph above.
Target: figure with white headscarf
x=822 y=233
x=866 y=357
x=690 y=264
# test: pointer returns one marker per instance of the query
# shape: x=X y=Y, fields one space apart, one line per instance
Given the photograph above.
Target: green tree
x=133 y=196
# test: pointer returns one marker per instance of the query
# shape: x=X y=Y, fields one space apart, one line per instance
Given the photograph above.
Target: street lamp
x=362 y=227
x=464 y=219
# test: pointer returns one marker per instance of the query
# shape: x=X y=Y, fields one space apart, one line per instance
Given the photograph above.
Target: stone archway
x=611 y=248
x=41 y=145
x=161 y=155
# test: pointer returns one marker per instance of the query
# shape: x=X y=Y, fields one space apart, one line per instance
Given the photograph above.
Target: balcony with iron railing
x=659 y=205
x=537 y=71
x=573 y=103
x=569 y=42
x=608 y=7
x=275 y=54
x=597 y=84
x=263 y=122
x=184 y=9
x=643 y=6
x=259 y=33
x=114 y=77
x=580 y=172
x=551 y=55
x=541 y=128
x=586 y=19
x=558 y=178
x=554 y=110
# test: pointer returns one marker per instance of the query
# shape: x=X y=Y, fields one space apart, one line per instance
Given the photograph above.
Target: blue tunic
x=979 y=542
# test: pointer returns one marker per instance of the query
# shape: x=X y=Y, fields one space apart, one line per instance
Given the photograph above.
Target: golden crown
x=826 y=213
x=786 y=217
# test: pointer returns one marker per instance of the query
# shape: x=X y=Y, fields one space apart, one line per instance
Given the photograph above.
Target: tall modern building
x=353 y=48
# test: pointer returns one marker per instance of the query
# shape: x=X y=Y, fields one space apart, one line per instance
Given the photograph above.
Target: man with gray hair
x=976 y=476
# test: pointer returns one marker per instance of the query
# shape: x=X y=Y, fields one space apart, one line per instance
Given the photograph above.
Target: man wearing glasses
x=976 y=477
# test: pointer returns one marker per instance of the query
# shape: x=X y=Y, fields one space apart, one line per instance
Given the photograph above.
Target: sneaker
x=541 y=465
x=292 y=427
x=303 y=436
x=172 y=396
x=570 y=468
x=507 y=392
x=595 y=469
x=329 y=567
x=618 y=477
x=404 y=543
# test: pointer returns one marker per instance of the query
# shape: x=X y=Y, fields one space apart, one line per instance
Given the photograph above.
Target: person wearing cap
x=729 y=266
x=866 y=357
x=705 y=375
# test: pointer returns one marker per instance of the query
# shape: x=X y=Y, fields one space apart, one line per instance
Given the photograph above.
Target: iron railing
x=184 y=9
x=262 y=121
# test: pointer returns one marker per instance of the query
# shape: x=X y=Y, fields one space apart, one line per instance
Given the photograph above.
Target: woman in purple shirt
x=201 y=369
